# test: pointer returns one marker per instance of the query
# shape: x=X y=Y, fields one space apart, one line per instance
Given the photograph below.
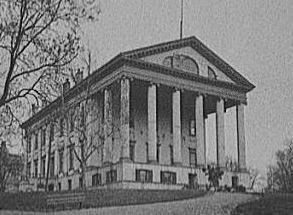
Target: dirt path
x=218 y=203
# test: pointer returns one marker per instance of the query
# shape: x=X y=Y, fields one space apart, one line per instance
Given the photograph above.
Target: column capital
x=154 y=84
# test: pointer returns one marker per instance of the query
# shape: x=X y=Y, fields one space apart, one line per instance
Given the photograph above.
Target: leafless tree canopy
x=280 y=175
x=39 y=39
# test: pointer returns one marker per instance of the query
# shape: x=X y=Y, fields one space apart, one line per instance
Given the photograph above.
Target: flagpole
x=181 y=20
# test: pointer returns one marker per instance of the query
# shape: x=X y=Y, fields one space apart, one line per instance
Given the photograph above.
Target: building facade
x=145 y=116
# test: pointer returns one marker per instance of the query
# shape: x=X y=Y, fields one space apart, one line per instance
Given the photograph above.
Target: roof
x=132 y=58
x=197 y=45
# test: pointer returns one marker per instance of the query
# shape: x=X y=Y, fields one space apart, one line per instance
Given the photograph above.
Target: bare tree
x=39 y=39
x=280 y=175
x=10 y=166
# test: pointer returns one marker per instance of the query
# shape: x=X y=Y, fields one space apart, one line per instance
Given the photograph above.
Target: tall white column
x=241 y=136
x=56 y=161
x=32 y=156
x=200 y=131
x=108 y=129
x=220 y=132
x=152 y=122
x=47 y=149
x=176 y=114
x=124 y=117
x=38 y=135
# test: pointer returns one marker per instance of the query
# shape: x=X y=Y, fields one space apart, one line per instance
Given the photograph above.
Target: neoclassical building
x=151 y=104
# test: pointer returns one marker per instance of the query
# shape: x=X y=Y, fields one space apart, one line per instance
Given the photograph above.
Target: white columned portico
x=152 y=122
x=241 y=136
x=200 y=130
x=176 y=114
x=124 y=117
x=220 y=132
x=108 y=129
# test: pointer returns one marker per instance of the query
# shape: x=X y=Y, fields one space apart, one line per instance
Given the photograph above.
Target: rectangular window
x=28 y=171
x=80 y=182
x=61 y=153
x=61 y=122
x=43 y=166
x=69 y=184
x=52 y=166
x=96 y=179
x=43 y=134
x=36 y=141
x=71 y=154
x=158 y=152
x=36 y=168
x=143 y=175
x=111 y=176
x=192 y=157
x=192 y=130
x=82 y=117
x=147 y=152
x=52 y=132
x=29 y=144
x=171 y=154
x=72 y=120
x=168 y=177
x=132 y=151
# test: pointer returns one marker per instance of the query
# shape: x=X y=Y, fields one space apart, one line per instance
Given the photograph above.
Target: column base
x=153 y=162
x=177 y=164
x=125 y=160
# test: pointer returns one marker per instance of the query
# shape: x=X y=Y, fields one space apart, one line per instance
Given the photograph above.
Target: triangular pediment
x=188 y=50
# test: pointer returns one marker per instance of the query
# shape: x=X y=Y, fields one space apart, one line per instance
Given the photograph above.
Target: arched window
x=181 y=62
x=189 y=64
x=212 y=73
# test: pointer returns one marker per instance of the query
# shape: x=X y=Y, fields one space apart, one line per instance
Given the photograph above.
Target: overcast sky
x=253 y=36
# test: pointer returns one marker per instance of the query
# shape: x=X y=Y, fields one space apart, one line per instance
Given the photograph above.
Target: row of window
x=192 y=160
x=141 y=175
x=52 y=130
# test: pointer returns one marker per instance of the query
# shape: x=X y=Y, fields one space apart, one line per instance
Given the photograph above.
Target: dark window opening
x=168 y=177
x=96 y=179
x=69 y=184
x=111 y=176
x=171 y=154
x=158 y=152
x=43 y=166
x=61 y=126
x=71 y=157
x=143 y=175
x=36 y=141
x=36 y=168
x=43 y=134
x=132 y=151
x=61 y=154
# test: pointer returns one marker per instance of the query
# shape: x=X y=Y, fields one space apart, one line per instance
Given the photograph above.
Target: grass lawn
x=270 y=204
x=36 y=201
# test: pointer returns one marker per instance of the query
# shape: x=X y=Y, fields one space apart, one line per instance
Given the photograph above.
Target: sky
x=253 y=36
